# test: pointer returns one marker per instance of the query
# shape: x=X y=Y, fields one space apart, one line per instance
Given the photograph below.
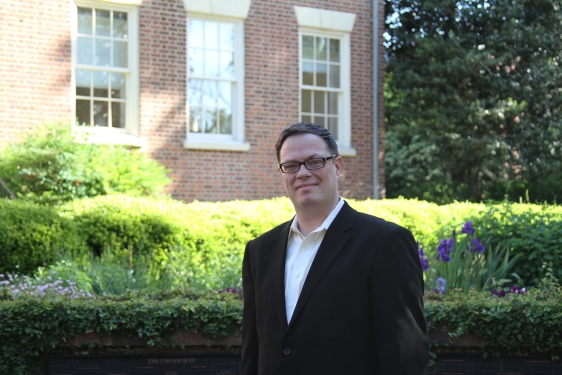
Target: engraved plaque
x=188 y=364
x=476 y=365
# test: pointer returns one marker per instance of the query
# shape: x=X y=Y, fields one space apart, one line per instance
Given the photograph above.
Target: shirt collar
x=325 y=224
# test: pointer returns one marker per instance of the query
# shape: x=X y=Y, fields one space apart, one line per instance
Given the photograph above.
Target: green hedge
x=33 y=235
x=32 y=327
x=209 y=238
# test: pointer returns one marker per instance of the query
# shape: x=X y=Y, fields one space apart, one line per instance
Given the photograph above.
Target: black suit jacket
x=360 y=310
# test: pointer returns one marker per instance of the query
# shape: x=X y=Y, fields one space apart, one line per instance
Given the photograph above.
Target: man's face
x=317 y=188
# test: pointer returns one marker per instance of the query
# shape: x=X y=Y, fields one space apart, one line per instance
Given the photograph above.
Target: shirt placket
x=297 y=276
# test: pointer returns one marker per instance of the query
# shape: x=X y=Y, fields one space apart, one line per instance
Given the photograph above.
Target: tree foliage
x=474 y=94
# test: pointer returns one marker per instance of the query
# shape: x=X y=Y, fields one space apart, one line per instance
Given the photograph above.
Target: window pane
x=100 y=113
x=227 y=36
x=306 y=118
x=211 y=63
x=195 y=92
x=225 y=120
x=84 y=50
x=319 y=102
x=82 y=79
x=102 y=52
x=195 y=33
x=195 y=120
x=225 y=95
x=118 y=115
x=120 y=28
x=321 y=75
x=211 y=35
x=118 y=85
x=102 y=22
x=100 y=85
x=196 y=62
x=306 y=105
x=319 y=120
x=209 y=120
x=84 y=21
x=335 y=76
x=82 y=91
x=321 y=48
x=209 y=93
x=333 y=103
x=83 y=112
x=227 y=64
x=308 y=73
x=334 y=50
x=120 y=54
x=308 y=47
x=333 y=126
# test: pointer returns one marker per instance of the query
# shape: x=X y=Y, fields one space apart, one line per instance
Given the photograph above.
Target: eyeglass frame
x=280 y=165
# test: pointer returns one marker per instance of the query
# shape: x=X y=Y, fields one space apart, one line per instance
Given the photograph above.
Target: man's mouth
x=304 y=186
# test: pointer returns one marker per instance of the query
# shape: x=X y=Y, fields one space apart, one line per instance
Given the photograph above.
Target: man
x=333 y=291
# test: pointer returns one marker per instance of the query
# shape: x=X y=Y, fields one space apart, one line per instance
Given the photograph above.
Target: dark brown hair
x=307 y=128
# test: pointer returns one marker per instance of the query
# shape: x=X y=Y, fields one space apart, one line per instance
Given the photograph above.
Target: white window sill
x=347 y=151
x=112 y=139
x=217 y=145
x=128 y=2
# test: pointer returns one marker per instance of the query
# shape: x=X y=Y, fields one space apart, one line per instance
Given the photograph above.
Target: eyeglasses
x=310 y=164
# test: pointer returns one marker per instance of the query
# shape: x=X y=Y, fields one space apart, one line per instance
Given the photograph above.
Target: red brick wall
x=35 y=64
x=36 y=61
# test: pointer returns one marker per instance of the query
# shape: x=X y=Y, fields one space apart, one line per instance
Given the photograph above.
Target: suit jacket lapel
x=277 y=257
x=334 y=240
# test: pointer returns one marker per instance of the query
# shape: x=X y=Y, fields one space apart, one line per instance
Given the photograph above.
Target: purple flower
x=476 y=245
x=468 y=228
x=444 y=249
x=232 y=290
x=500 y=293
x=423 y=259
x=440 y=289
x=514 y=289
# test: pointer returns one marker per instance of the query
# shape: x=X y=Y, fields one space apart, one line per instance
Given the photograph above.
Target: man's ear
x=339 y=165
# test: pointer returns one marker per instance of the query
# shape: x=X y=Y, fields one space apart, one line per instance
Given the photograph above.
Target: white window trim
x=327 y=23
x=233 y=11
x=130 y=135
x=227 y=8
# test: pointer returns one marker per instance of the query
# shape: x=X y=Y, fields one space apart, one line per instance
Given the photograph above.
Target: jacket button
x=286 y=351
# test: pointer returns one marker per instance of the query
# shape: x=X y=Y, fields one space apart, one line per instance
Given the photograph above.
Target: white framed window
x=105 y=74
x=325 y=72
x=321 y=88
x=215 y=74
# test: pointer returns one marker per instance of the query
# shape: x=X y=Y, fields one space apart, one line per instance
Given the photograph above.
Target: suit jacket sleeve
x=397 y=300
x=250 y=345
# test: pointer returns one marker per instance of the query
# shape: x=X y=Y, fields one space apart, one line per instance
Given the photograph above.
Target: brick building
x=203 y=86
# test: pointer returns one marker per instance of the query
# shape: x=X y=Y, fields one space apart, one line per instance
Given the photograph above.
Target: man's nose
x=303 y=172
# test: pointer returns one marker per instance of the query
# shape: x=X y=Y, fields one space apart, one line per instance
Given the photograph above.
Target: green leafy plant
x=51 y=166
x=465 y=264
x=32 y=326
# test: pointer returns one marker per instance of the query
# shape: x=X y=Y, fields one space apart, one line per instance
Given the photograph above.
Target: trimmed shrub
x=32 y=327
x=32 y=235
x=202 y=243
x=51 y=166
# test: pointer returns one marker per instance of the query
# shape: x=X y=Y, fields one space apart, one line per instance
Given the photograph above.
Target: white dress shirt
x=301 y=251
